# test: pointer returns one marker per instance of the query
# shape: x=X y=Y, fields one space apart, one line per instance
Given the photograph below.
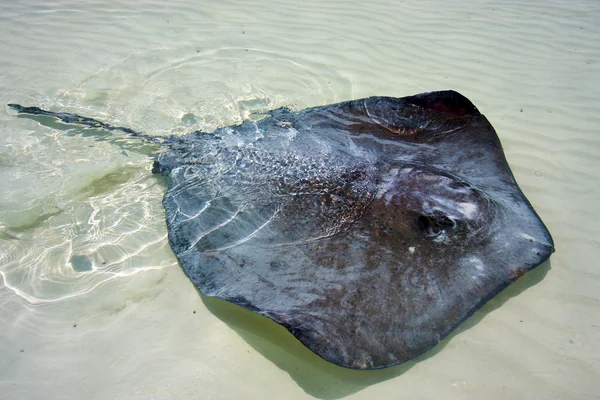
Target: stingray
x=369 y=229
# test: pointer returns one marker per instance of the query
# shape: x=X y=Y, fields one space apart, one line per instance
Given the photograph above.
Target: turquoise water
x=92 y=301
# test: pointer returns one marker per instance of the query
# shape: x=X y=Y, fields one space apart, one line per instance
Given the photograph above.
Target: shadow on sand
x=320 y=378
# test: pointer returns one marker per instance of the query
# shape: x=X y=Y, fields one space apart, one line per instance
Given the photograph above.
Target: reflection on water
x=102 y=231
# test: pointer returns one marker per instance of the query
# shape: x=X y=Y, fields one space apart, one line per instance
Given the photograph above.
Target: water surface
x=92 y=301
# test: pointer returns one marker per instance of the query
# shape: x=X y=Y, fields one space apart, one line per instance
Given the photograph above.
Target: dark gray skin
x=370 y=229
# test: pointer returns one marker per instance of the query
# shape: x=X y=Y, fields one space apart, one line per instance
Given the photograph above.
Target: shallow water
x=92 y=301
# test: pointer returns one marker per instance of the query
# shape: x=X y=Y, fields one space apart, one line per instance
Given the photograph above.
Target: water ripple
x=202 y=88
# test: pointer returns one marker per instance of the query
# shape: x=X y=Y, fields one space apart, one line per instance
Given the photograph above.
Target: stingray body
x=369 y=229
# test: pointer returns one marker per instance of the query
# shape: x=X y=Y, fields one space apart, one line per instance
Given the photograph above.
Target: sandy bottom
x=93 y=304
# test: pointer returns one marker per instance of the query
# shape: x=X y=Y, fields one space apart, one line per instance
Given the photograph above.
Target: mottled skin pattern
x=370 y=229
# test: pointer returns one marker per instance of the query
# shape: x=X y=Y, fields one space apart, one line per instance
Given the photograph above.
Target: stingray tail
x=76 y=119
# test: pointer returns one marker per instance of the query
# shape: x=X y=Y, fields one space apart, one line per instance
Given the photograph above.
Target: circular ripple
x=184 y=89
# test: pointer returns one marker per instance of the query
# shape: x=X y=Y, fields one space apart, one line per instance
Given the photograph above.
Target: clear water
x=92 y=301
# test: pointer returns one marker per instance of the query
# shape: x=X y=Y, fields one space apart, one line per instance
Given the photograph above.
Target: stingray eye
x=434 y=225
